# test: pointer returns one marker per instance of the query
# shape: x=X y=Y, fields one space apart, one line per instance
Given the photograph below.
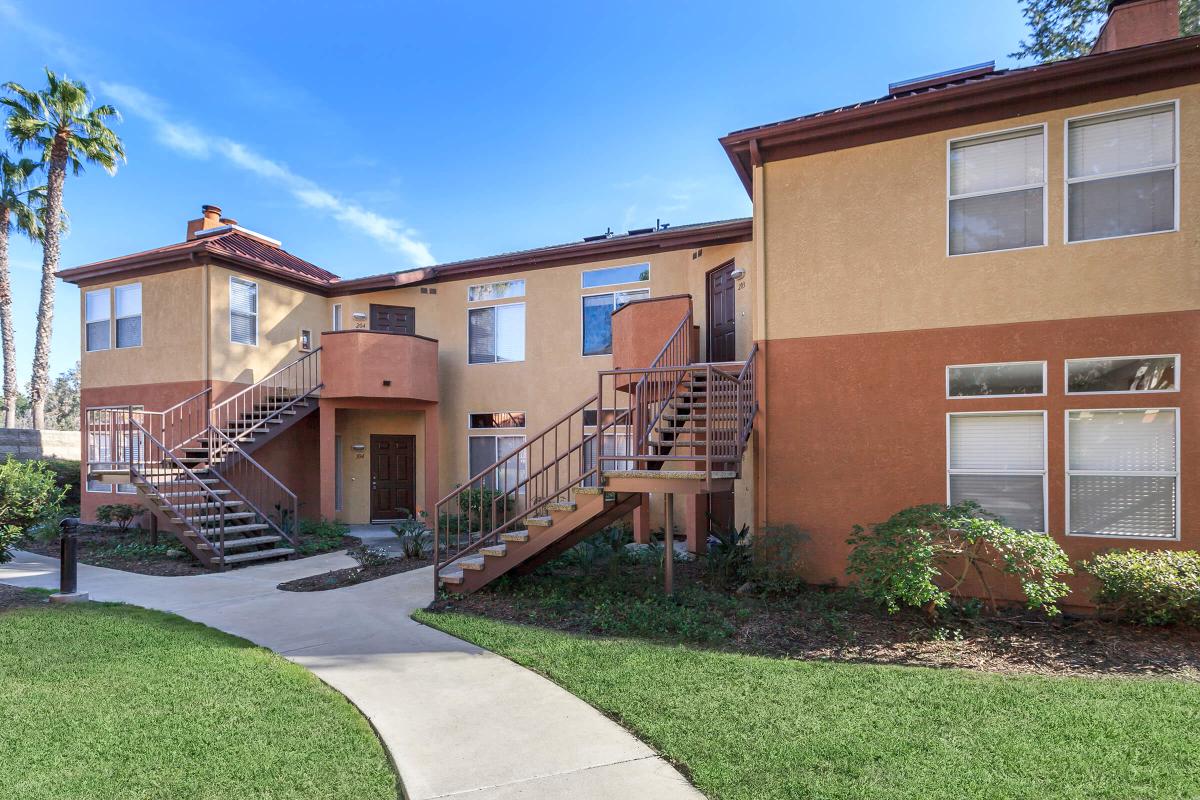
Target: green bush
x=1149 y=587
x=28 y=495
x=729 y=556
x=906 y=561
x=66 y=475
x=319 y=536
x=118 y=514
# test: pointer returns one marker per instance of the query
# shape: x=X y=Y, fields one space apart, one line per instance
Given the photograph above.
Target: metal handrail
x=295 y=381
x=251 y=483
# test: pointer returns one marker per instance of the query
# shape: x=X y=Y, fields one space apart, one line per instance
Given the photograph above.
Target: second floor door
x=393 y=319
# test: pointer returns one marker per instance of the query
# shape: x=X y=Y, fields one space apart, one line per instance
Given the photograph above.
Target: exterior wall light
x=358 y=447
x=738 y=273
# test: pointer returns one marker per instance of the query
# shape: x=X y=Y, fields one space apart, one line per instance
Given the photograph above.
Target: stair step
x=228 y=516
x=256 y=526
x=453 y=578
x=540 y=522
x=475 y=563
x=669 y=474
x=588 y=490
x=252 y=541
x=495 y=550
x=695 y=417
x=515 y=536
x=257 y=555
x=561 y=507
x=200 y=493
x=681 y=429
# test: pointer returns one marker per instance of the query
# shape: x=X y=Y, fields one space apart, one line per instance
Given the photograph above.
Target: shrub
x=370 y=557
x=481 y=507
x=415 y=536
x=28 y=495
x=905 y=561
x=777 y=562
x=729 y=557
x=117 y=514
x=66 y=475
x=1149 y=587
x=319 y=536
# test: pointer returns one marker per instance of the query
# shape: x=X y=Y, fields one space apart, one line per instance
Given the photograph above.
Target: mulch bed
x=13 y=597
x=99 y=547
x=822 y=623
x=351 y=576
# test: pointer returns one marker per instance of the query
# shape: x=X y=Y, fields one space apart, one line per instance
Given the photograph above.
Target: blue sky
x=379 y=136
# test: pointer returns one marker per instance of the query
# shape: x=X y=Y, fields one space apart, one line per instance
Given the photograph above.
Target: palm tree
x=18 y=212
x=61 y=122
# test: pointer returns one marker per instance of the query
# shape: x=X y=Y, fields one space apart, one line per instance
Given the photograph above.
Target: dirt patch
x=822 y=623
x=13 y=597
x=351 y=576
x=132 y=551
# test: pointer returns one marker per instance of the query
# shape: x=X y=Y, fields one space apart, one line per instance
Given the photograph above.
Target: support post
x=328 y=430
x=695 y=523
x=641 y=521
x=669 y=543
x=153 y=527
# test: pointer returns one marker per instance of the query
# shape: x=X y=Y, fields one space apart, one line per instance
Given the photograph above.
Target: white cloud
x=190 y=141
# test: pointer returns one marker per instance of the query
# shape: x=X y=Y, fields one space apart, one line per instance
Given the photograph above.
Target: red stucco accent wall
x=858 y=423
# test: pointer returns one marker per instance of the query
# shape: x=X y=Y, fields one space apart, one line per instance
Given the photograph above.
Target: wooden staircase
x=192 y=465
x=674 y=427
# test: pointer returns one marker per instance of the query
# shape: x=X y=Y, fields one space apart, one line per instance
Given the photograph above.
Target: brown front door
x=393 y=319
x=721 y=310
x=393 y=476
x=722 y=346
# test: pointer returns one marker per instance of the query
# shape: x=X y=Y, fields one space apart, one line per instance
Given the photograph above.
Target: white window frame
x=108 y=293
x=470 y=427
x=1044 y=472
x=1068 y=472
x=583 y=278
x=335 y=320
x=1067 y=180
x=495 y=360
x=949 y=367
x=613 y=293
x=494 y=283
x=235 y=279
x=1044 y=185
x=1067 y=375
x=115 y=323
x=594 y=430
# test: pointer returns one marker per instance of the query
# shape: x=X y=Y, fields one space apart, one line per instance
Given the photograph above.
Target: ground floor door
x=393 y=476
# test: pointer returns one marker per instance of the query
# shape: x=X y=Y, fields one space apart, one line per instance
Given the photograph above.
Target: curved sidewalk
x=458 y=720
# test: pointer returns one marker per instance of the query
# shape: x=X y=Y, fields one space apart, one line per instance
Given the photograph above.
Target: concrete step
x=258 y=555
x=495 y=550
x=540 y=522
x=201 y=493
x=451 y=577
x=217 y=517
x=560 y=507
x=588 y=490
x=236 y=529
x=474 y=563
x=515 y=536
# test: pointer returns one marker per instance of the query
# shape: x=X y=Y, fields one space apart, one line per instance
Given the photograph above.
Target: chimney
x=210 y=217
x=1132 y=23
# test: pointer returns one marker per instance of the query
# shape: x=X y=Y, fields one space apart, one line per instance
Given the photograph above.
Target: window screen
x=97 y=314
x=243 y=311
x=998 y=460
x=997 y=188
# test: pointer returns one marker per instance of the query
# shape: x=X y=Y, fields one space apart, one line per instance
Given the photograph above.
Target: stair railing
x=174 y=426
x=251 y=483
x=497 y=499
x=152 y=465
x=244 y=413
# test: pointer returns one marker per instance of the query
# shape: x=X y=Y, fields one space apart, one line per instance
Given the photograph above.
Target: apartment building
x=983 y=285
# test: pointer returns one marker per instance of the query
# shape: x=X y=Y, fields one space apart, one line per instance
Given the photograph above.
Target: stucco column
x=641 y=521
x=432 y=442
x=695 y=523
x=328 y=458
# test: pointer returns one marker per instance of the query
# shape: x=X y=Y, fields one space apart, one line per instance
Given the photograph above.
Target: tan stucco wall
x=355 y=427
x=173 y=328
x=282 y=312
x=855 y=241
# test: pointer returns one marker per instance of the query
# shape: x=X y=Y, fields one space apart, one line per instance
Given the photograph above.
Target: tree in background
x=62 y=123
x=19 y=203
x=62 y=401
x=1067 y=28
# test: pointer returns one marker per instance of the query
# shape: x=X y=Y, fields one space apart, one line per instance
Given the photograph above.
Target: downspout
x=759 y=328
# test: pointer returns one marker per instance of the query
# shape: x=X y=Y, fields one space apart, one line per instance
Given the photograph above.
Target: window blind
x=1122 y=473
x=998 y=460
x=481 y=331
x=996 y=192
x=1134 y=140
x=510 y=332
x=243 y=311
x=995 y=164
x=96 y=316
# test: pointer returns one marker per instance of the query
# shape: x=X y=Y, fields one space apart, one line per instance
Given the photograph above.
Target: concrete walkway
x=458 y=720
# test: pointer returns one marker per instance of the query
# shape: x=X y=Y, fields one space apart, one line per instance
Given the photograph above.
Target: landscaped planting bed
x=750 y=727
x=625 y=598
x=352 y=576
x=108 y=701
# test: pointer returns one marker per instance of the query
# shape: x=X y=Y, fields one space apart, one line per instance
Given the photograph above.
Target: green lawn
x=106 y=701
x=756 y=728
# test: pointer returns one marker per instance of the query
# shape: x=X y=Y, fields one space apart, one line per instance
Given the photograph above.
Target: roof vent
x=638 y=231
x=942 y=78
